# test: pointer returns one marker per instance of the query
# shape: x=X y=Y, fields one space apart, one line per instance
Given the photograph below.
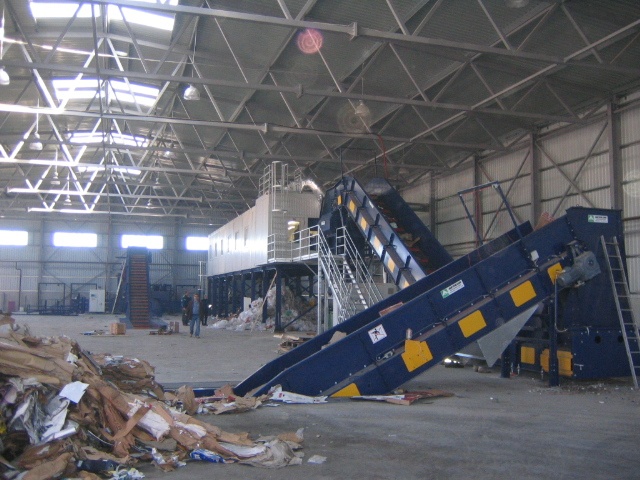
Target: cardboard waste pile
x=64 y=410
x=292 y=307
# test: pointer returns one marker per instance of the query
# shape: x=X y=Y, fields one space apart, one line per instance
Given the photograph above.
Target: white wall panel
x=451 y=208
x=234 y=254
x=630 y=126
x=633 y=264
x=632 y=248
x=571 y=145
x=452 y=184
x=631 y=180
x=420 y=193
x=518 y=193
x=506 y=167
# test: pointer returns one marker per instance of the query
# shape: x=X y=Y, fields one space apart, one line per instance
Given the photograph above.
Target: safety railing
x=293 y=247
x=359 y=272
x=349 y=280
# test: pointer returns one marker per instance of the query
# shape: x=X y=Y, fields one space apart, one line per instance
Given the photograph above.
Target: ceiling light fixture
x=149 y=203
x=55 y=180
x=36 y=143
x=361 y=110
x=4 y=76
x=191 y=93
x=67 y=201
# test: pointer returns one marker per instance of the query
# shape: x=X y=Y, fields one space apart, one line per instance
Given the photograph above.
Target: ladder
x=620 y=288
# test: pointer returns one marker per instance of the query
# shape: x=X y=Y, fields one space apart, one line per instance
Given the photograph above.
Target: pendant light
x=35 y=143
x=67 y=201
x=55 y=180
x=191 y=93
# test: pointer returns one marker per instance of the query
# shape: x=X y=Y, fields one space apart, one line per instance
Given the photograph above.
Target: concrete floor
x=492 y=428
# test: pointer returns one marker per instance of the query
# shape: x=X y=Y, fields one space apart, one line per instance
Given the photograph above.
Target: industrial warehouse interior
x=319 y=238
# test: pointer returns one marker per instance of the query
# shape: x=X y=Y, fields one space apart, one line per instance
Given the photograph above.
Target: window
x=221 y=247
x=228 y=243
x=41 y=10
x=152 y=242
x=62 y=10
x=246 y=236
x=235 y=240
x=132 y=15
x=197 y=243
x=14 y=237
x=115 y=90
x=74 y=239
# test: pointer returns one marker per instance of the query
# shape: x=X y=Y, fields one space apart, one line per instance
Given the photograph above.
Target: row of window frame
x=20 y=238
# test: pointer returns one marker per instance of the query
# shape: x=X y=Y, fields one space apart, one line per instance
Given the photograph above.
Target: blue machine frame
x=445 y=311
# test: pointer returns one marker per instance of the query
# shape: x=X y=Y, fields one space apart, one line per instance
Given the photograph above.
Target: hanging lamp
x=36 y=143
x=191 y=93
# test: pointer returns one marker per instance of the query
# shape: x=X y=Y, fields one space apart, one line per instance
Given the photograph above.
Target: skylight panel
x=137 y=16
x=86 y=89
x=73 y=89
x=134 y=93
x=140 y=17
x=41 y=10
x=112 y=138
x=99 y=168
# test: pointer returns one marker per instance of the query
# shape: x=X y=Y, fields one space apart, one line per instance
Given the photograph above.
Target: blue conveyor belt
x=437 y=316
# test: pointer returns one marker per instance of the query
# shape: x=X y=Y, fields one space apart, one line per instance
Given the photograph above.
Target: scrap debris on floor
x=64 y=410
x=405 y=398
x=291 y=341
x=297 y=313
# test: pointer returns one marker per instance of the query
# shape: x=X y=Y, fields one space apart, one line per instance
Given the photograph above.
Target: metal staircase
x=346 y=276
x=620 y=288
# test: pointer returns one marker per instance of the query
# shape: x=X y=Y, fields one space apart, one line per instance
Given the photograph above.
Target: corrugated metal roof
x=280 y=80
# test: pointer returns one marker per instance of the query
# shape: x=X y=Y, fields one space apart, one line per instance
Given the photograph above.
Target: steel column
x=615 y=160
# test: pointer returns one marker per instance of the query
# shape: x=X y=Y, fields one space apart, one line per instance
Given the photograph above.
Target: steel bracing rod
x=352 y=30
x=262 y=75
x=310 y=122
x=298 y=90
x=564 y=174
x=88 y=193
x=577 y=28
x=498 y=30
x=91 y=55
x=519 y=84
x=485 y=234
x=264 y=128
x=580 y=168
x=455 y=73
x=115 y=168
x=49 y=100
x=421 y=92
x=202 y=163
